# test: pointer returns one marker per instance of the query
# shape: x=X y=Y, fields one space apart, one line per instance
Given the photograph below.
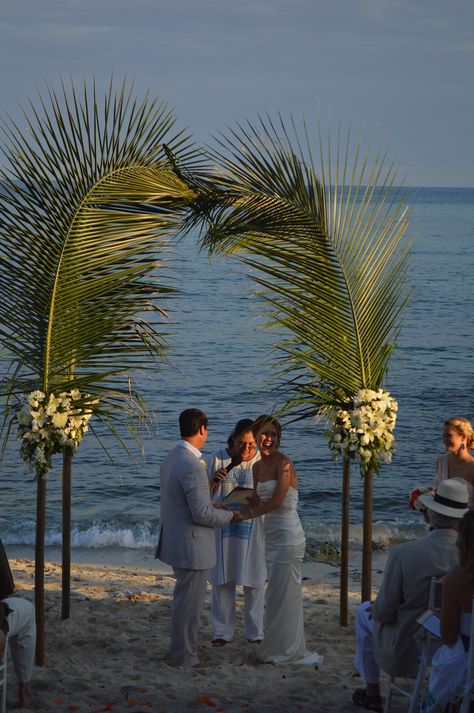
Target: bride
x=276 y=486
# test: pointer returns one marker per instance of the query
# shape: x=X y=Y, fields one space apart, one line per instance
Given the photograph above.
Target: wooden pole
x=39 y=568
x=66 y=539
x=344 y=581
x=366 y=592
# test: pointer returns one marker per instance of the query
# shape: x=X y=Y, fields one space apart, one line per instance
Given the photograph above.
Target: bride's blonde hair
x=266 y=421
x=464 y=428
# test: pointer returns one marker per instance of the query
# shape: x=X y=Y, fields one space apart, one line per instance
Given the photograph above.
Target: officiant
x=240 y=546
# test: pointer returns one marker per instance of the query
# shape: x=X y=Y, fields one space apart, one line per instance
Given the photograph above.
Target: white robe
x=240 y=546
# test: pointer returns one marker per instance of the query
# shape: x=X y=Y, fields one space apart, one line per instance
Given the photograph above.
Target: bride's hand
x=247 y=512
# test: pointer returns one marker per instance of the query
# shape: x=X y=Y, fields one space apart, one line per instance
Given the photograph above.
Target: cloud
x=402 y=65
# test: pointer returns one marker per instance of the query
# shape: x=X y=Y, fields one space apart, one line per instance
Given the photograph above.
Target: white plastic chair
x=3 y=678
x=468 y=688
x=413 y=686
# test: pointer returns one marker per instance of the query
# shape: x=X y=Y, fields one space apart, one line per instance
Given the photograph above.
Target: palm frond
x=326 y=249
x=88 y=204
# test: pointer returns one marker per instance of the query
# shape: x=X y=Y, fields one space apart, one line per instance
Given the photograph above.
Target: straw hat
x=450 y=499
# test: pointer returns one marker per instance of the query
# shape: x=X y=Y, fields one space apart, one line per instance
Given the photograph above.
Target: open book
x=430 y=622
x=238 y=495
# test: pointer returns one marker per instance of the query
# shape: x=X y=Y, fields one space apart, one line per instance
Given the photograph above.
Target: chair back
x=3 y=678
x=434 y=598
x=413 y=693
x=469 y=686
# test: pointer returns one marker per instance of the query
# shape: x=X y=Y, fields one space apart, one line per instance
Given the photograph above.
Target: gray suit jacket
x=403 y=596
x=187 y=516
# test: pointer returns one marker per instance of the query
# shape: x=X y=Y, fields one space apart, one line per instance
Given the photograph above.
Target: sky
x=398 y=73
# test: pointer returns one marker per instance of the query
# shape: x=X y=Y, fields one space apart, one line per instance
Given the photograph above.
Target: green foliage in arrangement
x=326 y=250
x=88 y=202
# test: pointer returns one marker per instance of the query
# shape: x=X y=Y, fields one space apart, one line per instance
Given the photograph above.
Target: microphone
x=236 y=460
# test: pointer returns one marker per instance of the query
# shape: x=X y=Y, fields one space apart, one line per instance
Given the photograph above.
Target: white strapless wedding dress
x=284 y=640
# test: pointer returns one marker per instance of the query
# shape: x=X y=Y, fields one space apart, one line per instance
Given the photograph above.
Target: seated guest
x=17 y=619
x=385 y=628
x=450 y=661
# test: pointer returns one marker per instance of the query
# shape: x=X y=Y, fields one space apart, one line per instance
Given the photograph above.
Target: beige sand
x=109 y=654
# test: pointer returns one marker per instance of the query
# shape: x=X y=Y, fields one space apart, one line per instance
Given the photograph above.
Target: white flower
x=60 y=419
x=38 y=416
x=76 y=421
x=53 y=405
x=39 y=455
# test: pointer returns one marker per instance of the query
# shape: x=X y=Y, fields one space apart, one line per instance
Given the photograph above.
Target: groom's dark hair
x=190 y=421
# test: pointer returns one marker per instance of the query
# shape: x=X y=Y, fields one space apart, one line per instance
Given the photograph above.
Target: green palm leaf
x=88 y=203
x=326 y=251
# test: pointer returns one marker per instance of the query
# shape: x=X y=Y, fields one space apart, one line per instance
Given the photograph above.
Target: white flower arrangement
x=47 y=424
x=363 y=431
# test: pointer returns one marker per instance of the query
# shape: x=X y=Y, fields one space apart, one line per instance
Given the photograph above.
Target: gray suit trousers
x=188 y=603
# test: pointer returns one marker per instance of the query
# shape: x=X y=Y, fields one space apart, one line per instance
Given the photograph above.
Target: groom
x=186 y=535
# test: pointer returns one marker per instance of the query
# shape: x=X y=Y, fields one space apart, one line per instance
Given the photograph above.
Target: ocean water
x=221 y=361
